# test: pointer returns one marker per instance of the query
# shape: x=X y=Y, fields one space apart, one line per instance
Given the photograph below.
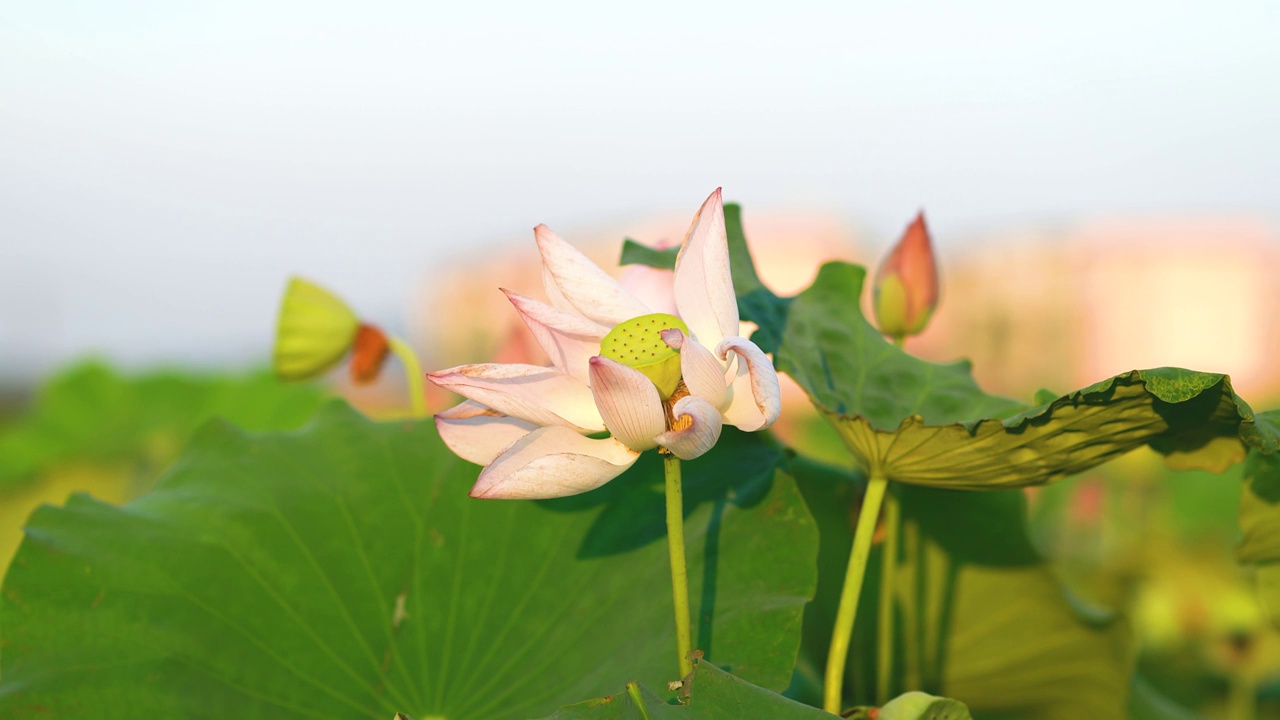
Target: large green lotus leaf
x=929 y=424
x=1019 y=648
x=996 y=629
x=92 y=413
x=342 y=572
x=1013 y=641
x=712 y=694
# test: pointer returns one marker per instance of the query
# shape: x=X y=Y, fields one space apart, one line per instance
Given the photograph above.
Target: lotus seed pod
x=638 y=343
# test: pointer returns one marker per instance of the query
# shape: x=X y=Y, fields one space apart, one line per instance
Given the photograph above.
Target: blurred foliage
x=91 y=412
x=1259 y=512
x=993 y=626
x=95 y=429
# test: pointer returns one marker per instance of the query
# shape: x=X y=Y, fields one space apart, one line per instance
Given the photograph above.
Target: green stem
x=679 y=573
x=412 y=373
x=910 y=605
x=833 y=686
x=633 y=691
x=900 y=341
x=884 y=625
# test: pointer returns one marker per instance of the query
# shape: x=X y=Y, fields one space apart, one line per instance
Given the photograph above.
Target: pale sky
x=165 y=166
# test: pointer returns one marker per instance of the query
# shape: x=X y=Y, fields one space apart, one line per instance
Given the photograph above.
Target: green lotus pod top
x=316 y=329
x=638 y=343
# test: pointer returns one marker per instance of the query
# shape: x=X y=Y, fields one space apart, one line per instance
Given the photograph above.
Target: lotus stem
x=910 y=605
x=884 y=626
x=412 y=373
x=679 y=572
x=842 y=634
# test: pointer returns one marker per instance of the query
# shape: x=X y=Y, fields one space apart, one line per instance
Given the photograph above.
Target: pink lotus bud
x=906 y=286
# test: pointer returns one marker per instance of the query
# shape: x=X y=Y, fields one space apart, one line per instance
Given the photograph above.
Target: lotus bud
x=906 y=285
x=316 y=329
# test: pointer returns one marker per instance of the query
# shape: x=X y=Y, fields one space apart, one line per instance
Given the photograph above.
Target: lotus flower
x=651 y=379
x=906 y=286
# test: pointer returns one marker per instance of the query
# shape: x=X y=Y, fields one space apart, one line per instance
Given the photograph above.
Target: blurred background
x=1102 y=182
x=165 y=166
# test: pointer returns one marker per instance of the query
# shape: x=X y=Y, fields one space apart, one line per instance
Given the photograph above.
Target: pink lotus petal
x=568 y=339
x=553 y=462
x=654 y=287
x=704 y=425
x=756 y=399
x=703 y=283
x=540 y=395
x=628 y=402
x=576 y=284
x=477 y=434
x=703 y=373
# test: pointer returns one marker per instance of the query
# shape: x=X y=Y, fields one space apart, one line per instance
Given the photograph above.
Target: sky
x=164 y=167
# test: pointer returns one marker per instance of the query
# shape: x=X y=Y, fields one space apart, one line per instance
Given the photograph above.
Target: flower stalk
x=679 y=570
x=911 y=550
x=412 y=373
x=884 y=626
x=846 y=613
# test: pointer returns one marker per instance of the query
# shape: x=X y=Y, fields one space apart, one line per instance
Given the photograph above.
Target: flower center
x=637 y=343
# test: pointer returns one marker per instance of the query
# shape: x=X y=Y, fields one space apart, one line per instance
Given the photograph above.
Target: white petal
x=755 y=398
x=628 y=401
x=569 y=340
x=540 y=395
x=553 y=462
x=477 y=434
x=702 y=430
x=703 y=283
x=703 y=373
x=580 y=286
